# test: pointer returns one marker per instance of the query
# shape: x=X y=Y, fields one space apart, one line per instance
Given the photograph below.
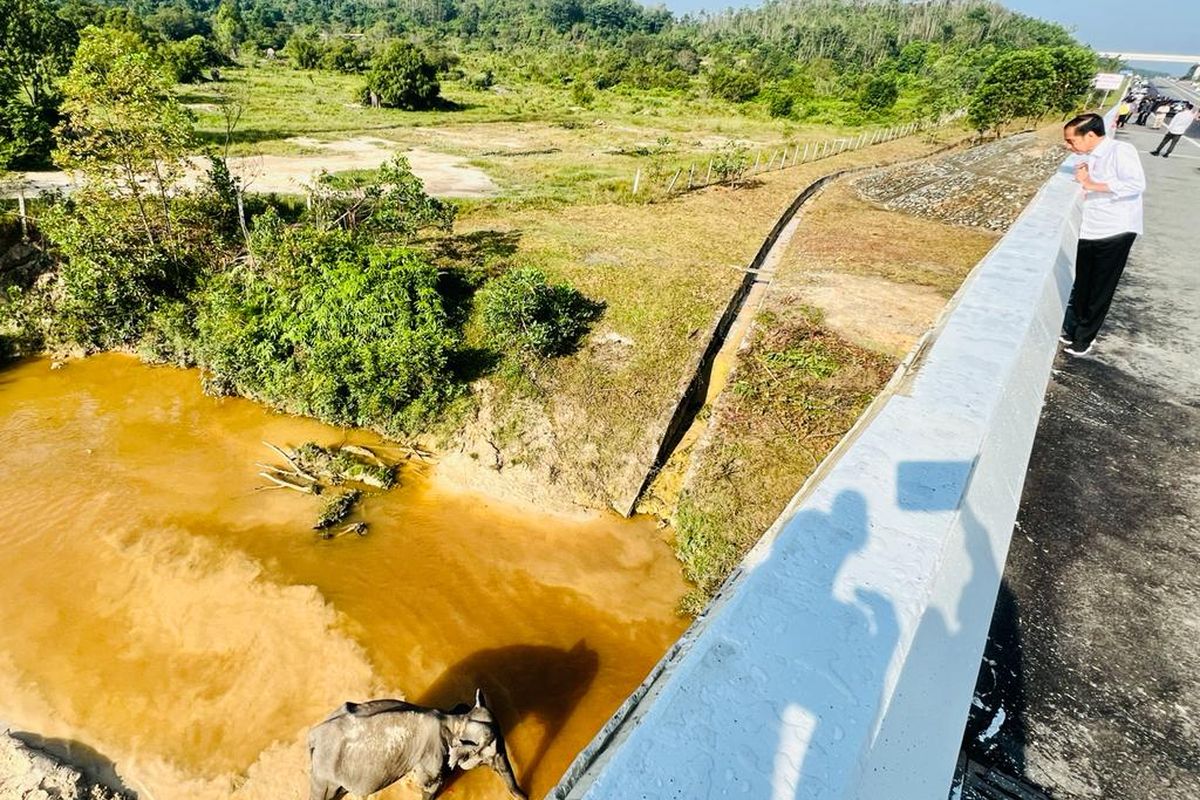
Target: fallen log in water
x=282 y=484
x=359 y=528
x=311 y=469
x=365 y=452
x=290 y=460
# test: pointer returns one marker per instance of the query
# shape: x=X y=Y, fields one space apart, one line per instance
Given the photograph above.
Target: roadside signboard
x=1108 y=81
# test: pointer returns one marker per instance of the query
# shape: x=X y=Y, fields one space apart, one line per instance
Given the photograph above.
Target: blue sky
x=1155 y=26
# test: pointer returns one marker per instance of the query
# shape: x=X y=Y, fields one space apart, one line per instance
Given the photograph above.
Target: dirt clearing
x=444 y=175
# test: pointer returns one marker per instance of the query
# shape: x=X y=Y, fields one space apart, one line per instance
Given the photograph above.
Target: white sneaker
x=1077 y=350
x=1062 y=337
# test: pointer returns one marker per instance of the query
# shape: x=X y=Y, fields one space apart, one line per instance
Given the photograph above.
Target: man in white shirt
x=1111 y=175
x=1175 y=131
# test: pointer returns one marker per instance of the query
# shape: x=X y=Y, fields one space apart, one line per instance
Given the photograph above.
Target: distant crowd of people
x=1159 y=110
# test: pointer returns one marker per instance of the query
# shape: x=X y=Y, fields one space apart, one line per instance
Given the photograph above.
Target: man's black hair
x=1085 y=124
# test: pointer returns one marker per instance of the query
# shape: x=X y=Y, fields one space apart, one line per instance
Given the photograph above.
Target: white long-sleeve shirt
x=1181 y=121
x=1119 y=210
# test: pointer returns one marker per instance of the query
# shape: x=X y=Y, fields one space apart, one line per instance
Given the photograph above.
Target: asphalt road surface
x=1090 y=686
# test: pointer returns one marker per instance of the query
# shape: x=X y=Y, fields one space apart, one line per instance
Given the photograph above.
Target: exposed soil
x=882 y=315
x=588 y=429
x=444 y=175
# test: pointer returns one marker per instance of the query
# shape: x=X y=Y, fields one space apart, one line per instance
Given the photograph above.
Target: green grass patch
x=796 y=391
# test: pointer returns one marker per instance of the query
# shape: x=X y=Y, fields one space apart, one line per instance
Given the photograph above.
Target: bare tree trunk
x=131 y=176
x=166 y=206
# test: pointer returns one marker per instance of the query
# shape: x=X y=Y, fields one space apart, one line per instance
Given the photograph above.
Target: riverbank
x=32 y=768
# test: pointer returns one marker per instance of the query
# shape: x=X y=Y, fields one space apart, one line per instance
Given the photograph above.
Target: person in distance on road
x=1123 y=112
x=1111 y=175
x=1143 y=110
x=1175 y=131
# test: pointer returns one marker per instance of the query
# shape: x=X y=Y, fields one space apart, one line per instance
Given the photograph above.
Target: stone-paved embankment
x=987 y=186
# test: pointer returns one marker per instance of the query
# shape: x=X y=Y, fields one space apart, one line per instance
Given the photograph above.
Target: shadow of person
x=94 y=766
x=521 y=681
x=845 y=642
x=781 y=690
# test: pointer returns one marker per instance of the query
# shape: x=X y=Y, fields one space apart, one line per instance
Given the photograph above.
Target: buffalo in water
x=364 y=747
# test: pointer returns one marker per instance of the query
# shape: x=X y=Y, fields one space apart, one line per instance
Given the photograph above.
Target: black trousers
x=1169 y=141
x=1098 y=267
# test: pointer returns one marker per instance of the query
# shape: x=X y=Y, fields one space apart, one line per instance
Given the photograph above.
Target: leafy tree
x=1074 y=70
x=37 y=47
x=564 y=14
x=123 y=129
x=523 y=312
x=343 y=55
x=110 y=277
x=1018 y=84
x=912 y=56
x=229 y=29
x=177 y=23
x=880 y=93
x=402 y=77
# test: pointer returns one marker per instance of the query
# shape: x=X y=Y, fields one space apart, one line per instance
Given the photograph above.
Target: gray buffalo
x=364 y=747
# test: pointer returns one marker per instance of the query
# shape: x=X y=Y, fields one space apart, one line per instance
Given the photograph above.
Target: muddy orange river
x=189 y=627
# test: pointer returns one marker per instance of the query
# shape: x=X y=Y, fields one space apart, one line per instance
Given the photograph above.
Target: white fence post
x=637 y=180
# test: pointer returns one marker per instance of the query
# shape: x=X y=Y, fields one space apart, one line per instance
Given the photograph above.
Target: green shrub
x=880 y=93
x=110 y=276
x=523 y=312
x=780 y=102
x=390 y=202
x=326 y=325
x=188 y=60
x=730 y=162
x=734 y=85
x=482 y=80
x=582 y=94
x=343 y=55
x=304 y=49
x=402 y=76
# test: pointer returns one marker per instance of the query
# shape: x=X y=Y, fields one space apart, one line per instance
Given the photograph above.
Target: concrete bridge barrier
x=839 y=660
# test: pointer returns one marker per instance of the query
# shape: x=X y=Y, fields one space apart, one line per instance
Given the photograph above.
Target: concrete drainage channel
x=691 y=396
x=839 y=660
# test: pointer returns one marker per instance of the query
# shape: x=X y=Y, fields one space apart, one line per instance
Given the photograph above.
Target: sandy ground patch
x=444 y=175
x=871 y=311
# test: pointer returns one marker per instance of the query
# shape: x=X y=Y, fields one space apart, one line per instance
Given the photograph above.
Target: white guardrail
x=839 y=661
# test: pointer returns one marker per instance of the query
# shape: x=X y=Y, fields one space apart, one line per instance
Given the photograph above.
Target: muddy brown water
x=161 y=610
